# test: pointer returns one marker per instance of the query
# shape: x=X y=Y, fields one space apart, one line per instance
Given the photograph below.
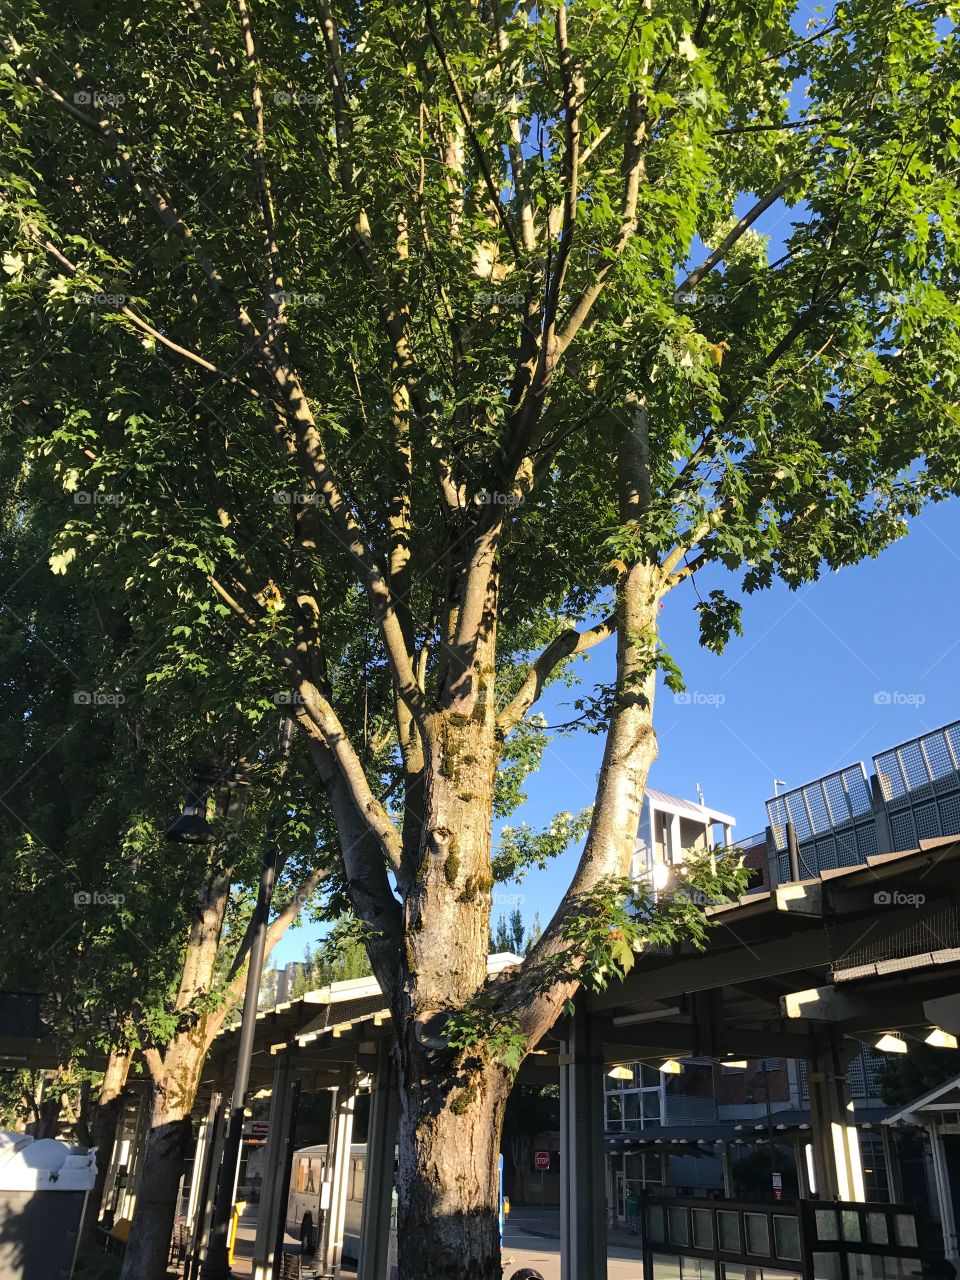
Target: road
x=532 y=1239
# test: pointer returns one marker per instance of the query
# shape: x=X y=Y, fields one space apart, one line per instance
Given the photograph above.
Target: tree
x=392 y=325
x=509 y=933
x=129 y=959
x=341 y=956
x=904 y=1079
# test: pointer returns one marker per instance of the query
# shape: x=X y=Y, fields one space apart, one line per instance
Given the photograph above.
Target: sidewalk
x=531 y=1239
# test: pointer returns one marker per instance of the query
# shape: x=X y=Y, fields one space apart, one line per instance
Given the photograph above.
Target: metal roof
x=689 y=808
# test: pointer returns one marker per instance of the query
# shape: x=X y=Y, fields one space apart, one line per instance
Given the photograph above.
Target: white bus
x=309 y=1201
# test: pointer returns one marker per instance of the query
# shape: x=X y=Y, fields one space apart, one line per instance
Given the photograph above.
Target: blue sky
x=798 y=693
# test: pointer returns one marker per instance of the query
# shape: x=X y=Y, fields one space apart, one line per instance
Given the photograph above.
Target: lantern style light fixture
x=620 y=1073
x=671 y=1067
x=192 y=826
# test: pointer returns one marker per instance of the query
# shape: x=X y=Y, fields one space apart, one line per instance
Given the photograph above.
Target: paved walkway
x=532 y=1239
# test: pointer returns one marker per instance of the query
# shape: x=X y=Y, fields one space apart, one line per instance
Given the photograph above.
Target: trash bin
x=44 y=1185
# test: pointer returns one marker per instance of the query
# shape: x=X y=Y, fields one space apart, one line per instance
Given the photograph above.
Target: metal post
x=213 y=1146
x=276 y=1134
x=339 y=1173
x=378 y=1183
x=727 y=1167
x=894 y=1181
x=948 y=1222
x=583 y=1227
x=216 y=1265
x=135 y=1159
x=793 y=851
x=286 y=1168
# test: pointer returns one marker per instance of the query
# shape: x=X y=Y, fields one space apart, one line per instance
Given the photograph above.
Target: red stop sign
x=542 y=1160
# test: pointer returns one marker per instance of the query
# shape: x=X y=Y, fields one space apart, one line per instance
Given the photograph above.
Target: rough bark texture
x=448 y=1146
x=452 y=1105
x=166 y=1149
x=167 y=1144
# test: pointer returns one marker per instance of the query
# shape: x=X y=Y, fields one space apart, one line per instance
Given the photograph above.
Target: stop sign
x=542 y=1160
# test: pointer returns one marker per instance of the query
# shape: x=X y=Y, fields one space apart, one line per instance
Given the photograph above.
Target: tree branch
x=568 y=644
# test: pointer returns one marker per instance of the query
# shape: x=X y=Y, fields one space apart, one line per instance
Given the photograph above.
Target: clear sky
x=793 y=698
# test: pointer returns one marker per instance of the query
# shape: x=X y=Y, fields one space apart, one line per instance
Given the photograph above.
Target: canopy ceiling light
x=940 y=1039
x=671 y=1067
x=890 y=1042
x=739 y=1063
x=620 y=1073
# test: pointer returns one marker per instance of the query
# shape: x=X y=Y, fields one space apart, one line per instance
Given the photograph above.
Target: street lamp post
x=216 y=1264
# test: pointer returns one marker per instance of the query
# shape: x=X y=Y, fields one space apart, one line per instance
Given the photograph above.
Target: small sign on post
x=541 y=1161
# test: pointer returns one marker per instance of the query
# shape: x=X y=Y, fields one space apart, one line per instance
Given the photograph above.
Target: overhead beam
x=620 y=1044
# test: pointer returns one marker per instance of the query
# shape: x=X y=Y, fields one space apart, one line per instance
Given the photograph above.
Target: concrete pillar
x=838 y=1169
x=272 y=1200
x=379 y=1178
x=583 y=1230
x=948 y=1222
x=338 y=1172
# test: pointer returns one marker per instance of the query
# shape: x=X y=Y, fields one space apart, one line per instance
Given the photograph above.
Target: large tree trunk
x=168 y=1142
x=452 y=1101
x=448 y=1145
x=103 y=1138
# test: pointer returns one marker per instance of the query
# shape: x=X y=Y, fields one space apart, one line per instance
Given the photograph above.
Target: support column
x=583 y=1232
x=268 y=1215
x=135 y=1159
x=378 y=1183
x=338 y=1171
x=892 y=1165
x=838 y=1168
x=727 y=1170
x=201 y=1161
x=800 y=1164
x=948 y=1221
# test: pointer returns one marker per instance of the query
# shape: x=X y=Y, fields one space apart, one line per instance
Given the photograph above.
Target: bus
x=309 y=1201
